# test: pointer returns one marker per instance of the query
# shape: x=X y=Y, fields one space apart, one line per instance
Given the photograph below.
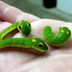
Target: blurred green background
x=36 y=7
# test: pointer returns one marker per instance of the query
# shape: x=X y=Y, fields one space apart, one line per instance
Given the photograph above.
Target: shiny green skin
x=32 y=44
x=23 y=27
x=58 y=39
x=35 y=44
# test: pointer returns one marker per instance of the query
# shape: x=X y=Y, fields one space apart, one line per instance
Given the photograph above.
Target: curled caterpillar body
x=59 y=39
x=23 y=27
x=34 y=44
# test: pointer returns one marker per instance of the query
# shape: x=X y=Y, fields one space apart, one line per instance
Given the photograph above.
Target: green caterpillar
x=23 y=27
x=32 y=44
x=58 y=39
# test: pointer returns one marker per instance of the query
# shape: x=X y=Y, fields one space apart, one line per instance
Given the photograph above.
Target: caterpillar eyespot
x=20 y=26
x=40 y=44
x=29 y=24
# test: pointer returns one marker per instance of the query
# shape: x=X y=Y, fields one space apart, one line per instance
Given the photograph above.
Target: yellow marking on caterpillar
x=67 y=32
x=33 y=40
x=62 y=31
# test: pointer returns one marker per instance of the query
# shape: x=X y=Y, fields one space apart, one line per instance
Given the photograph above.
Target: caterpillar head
x=24 y=27
x=65 y=31
x=39 y=44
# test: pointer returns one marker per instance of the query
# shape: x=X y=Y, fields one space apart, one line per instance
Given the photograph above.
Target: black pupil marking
x=29 y=24
x=20 y=26
x=40 y=45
